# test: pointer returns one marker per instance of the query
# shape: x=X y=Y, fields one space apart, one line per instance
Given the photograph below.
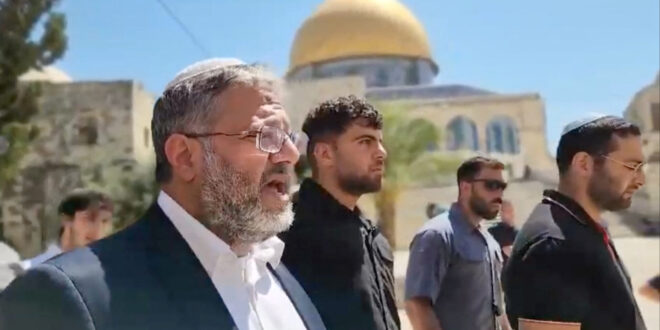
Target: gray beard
x=232 y=206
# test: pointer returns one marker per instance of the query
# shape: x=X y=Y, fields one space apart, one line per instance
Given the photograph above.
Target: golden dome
x=358 y=28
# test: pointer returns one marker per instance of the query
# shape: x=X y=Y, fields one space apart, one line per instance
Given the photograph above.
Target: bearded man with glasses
x=205 y=254
x=453 y=276
x=564 y=267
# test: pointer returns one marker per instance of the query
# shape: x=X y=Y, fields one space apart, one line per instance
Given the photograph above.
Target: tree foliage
x=21 y=50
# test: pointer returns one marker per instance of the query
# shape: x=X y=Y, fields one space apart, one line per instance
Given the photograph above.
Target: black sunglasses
x=492 y=184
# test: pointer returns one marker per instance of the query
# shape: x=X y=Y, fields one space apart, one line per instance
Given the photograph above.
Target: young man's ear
x=324 y=154
x=182 y=154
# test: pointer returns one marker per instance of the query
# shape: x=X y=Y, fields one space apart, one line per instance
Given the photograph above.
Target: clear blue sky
x=581 y=56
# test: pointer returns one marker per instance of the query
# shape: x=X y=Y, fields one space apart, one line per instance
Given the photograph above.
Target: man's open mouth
x=279 y=185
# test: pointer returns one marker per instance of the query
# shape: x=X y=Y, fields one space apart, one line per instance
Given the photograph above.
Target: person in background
x=564 y=267
x=453 y=275
x=433 y=209
x=651 y=289
x=505 y=231
x=85 y=216
x=339 y=257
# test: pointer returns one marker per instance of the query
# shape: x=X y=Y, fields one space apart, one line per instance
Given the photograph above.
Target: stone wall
x=84 y=123
x=143 y=104
x=640 y=111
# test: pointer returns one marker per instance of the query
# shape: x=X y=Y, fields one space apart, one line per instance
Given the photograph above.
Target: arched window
x=502 y=136
x=462 y=134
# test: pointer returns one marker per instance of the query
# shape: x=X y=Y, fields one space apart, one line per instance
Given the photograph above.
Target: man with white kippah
x=564 y=271
x=205 y=255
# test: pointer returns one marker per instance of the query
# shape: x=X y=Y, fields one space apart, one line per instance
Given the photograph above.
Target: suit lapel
x=299 y=298
x=183 y=277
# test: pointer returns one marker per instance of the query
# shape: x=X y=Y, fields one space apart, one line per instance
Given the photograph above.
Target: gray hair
x=189 y=101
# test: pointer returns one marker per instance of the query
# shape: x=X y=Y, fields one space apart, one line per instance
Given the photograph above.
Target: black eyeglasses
x=492 y=184
x=268 y=138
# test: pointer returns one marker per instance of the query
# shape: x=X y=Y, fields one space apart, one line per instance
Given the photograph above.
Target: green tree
x=20 y=51
x=408 y=142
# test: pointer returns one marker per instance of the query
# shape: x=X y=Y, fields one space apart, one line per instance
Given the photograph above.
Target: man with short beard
x=205 y=255
x=337 y=255
x=564 y=267
x=452 y=281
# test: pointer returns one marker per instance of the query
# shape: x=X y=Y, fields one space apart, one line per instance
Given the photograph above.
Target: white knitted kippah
x=589 y=118
x=202 y=67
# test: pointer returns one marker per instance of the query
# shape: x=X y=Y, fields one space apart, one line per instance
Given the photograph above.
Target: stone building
x=644 y=110
x=89 y=131
x=377 y=49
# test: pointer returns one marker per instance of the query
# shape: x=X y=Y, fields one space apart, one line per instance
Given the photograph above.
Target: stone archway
x=502 y=136
x=462 y=134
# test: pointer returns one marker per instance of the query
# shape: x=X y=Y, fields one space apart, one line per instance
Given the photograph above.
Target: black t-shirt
x=503 y=233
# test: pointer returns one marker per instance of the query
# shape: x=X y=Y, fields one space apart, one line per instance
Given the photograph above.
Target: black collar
x=569 y=205
x=315 y=200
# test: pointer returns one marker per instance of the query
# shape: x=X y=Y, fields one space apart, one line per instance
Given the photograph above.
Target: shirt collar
x=458 y=220
x=313 y=198
x=570 y=205
x=54 y=249
x=209 y=249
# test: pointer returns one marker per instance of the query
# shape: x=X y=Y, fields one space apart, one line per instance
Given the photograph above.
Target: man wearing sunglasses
x=564 y=266
x=453 y=276
x=205 y=254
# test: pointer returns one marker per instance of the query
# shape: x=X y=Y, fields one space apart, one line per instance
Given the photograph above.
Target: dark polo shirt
x=564 y=268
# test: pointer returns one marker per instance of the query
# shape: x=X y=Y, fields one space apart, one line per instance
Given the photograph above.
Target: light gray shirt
x=457 y=267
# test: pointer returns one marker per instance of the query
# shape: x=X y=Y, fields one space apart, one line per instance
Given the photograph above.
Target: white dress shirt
x=253 y=296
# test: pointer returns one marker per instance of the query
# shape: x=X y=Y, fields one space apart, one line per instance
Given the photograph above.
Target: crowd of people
x=225 y=246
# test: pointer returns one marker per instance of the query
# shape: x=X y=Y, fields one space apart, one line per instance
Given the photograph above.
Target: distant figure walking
x=505 y=231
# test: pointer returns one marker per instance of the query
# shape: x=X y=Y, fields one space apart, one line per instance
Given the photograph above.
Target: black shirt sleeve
x=544 y=283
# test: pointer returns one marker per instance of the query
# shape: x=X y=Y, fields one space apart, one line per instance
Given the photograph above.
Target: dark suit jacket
x=144 y=277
